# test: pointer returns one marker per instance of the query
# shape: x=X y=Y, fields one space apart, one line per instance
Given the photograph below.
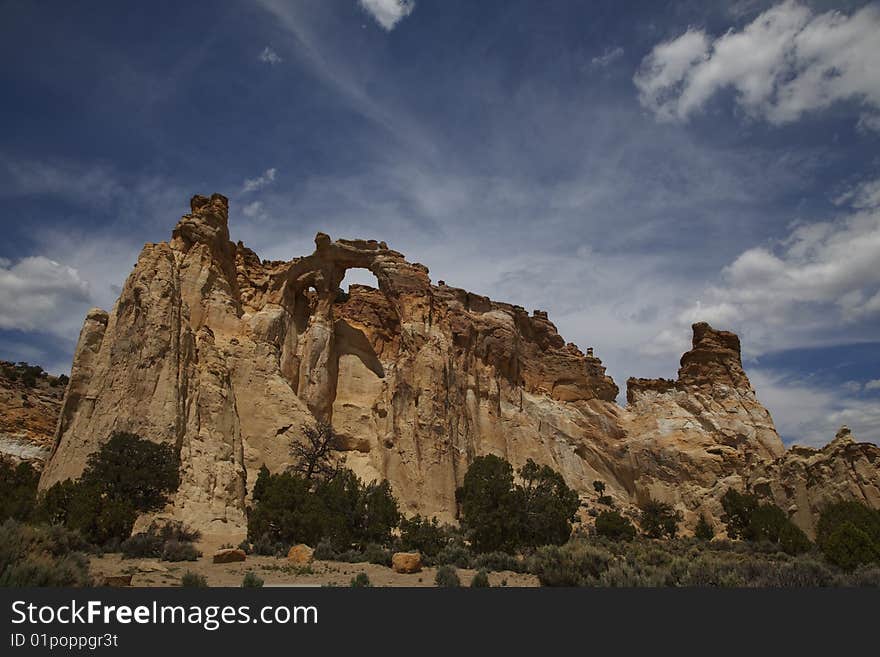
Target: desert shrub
x=498 y=561
x=193 y=580
x=614 y=526
x=703 y=531
x=324 y=551
x=141 y=546
x=447 y=576
x=658 y=519
x=455 y=555
x=18 y=490
x=848 y=547
x=266 y=546
x=867 y=576
x=154 y=542
x=426 y=536
x=251 y=581
x=599 y=486
x=175 y=550
x=480 y=580
x=848 y=533
x=376 y=554
x=343 y=510
x=499 y=515
x=41 y=556
x=126 y=476
x=574 y=564
x=361 y=580
x=246 y=547
x=751 y=520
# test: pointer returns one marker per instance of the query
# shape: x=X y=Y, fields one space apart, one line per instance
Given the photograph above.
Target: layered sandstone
x=804 y=480
x=28 y=414
x=228 y=357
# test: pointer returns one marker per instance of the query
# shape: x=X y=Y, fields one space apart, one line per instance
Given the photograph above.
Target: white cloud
x=255 y=210
x=873 y=384
x=809 y=414
x=388 y=13
x=269 y=56
x=608 y=57
x=869 y=122
x=784 y=63
x=38 y=294
x=863 y=196
x=819 y=283
x=254 y=184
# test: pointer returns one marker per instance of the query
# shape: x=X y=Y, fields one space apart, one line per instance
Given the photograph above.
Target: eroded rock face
x=692 y=438
x=227 y=357
x=804 y=480
x=28 y=415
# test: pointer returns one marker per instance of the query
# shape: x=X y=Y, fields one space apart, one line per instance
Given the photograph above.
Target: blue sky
x=629 y=167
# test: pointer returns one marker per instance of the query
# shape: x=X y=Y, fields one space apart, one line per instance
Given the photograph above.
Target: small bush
x=18 y=490
x=455 y=555
x=480 y=580
x=251 y=581
x=174 y=550
x=41 y=556
x=447 y=576
x=703 y=531
x=141 y=546
x=377 y=554
x=614 y=526
x=246 y=547
x=171 y=541
x=193 y=580
x=324 y=551
x=267 y=547
x=498 y=561
x=573 y=564
x=848 y=533
x=361 y=580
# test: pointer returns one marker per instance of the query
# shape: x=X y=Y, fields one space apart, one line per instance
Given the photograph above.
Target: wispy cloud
x=786 y=62
x=606 y=58
x=254 y=184
x=388 y=13
x=269 y=56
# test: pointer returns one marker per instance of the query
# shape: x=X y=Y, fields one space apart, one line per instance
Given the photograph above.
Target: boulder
x=301 y=555
x=230 y=555
x=406 y=562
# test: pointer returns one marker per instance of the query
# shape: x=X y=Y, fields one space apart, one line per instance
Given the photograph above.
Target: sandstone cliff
x=29 y=405
x=227 y=357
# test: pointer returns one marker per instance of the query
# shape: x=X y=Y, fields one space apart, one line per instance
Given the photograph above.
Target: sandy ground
x=278 y=572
